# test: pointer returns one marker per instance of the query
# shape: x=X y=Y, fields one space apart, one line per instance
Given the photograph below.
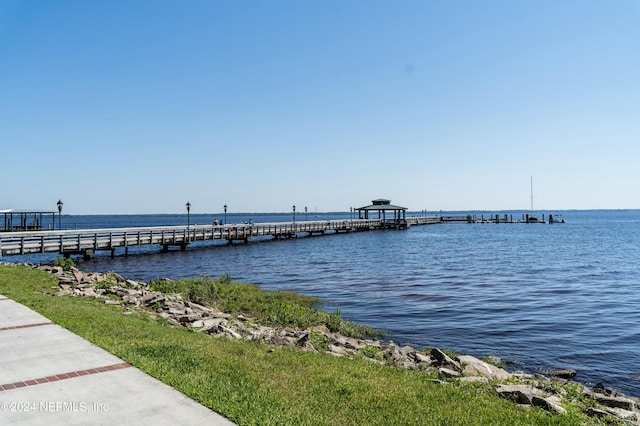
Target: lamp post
x=59 y=203
x=351 y=209
x=225 y=214
x=294 y=215
x=306 y=217
x=188 y=220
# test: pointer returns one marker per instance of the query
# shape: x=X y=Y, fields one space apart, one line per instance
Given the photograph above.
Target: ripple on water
x=545 y=296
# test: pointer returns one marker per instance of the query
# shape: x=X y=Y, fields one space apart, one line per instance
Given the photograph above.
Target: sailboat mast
x=532 y=193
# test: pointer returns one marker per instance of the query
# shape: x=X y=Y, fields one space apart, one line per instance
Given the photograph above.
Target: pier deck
x=88 y=241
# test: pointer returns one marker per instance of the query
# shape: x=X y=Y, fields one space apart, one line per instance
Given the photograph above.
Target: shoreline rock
x=530 y=390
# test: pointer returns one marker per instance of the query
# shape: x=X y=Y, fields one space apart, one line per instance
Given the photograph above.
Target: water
x=540 y=296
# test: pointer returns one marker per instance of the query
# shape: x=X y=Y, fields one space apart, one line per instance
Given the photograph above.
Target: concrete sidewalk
x=50 y=376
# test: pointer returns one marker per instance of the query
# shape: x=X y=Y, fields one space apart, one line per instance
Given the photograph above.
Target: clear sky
x=140 y=106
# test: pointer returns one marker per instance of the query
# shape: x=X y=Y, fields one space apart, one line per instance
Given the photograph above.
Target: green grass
x=252 y=383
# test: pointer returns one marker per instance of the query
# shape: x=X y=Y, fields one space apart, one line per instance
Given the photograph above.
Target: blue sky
x=139 y=106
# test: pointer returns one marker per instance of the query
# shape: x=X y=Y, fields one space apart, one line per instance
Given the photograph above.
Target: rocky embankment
x=550 y=393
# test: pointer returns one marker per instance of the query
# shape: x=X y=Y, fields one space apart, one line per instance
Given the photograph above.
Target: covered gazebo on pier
x=11 y=220
x=385 y=209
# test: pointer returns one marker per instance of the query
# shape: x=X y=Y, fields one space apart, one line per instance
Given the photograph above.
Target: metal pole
x=59 y=203
x=188 y=221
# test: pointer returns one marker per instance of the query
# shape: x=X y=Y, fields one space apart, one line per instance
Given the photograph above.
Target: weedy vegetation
x=253 y=383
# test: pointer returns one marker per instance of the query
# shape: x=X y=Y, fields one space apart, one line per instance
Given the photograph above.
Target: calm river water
x=540 y=296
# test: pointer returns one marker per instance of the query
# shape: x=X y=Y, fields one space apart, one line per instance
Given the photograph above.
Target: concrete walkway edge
x=50 y=376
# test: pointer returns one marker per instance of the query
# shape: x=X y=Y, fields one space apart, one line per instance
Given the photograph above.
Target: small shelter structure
x=385 y=210
x=14 y=221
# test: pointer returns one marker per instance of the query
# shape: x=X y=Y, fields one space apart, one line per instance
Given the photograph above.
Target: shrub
x=166 y=286
x=272 y=308
x=334 y=321
x=108 y=282
x=370 y=351
x=65 y=263
x=203 y=291
x=319 y=340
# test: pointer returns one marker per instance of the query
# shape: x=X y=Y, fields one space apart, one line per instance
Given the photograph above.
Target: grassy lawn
x=253 y=383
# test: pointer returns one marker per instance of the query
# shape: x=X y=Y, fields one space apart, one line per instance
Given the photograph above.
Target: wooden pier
x=87 y=242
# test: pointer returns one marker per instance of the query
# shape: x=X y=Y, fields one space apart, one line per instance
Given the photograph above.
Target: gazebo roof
x=381 y=204
x=18 y=212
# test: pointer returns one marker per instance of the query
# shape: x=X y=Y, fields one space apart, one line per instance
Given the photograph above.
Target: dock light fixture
x=351 y=209
x=294 y=214
x=188 y=218
x=306 y=217
x=59 y=203
x=225 y=214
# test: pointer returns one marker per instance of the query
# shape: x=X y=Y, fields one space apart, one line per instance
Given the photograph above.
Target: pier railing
x=88 y=241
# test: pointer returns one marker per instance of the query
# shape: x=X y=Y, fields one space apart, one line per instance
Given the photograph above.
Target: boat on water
x=531 y=217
